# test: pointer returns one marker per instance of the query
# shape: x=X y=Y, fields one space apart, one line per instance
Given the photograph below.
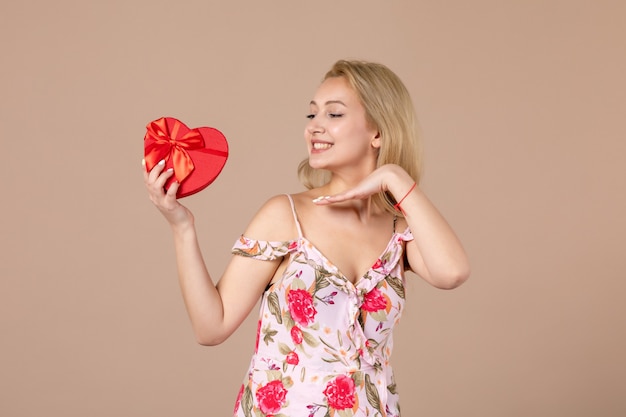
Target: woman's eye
x=331 y=115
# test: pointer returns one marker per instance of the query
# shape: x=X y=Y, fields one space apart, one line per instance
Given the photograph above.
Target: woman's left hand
x=380 y=180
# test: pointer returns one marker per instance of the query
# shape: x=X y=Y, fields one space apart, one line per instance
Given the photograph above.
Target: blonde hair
x=389 y=109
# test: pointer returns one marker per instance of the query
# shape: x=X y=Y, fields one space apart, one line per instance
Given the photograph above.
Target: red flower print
x=292 y=358
x=374 y=301
x=301 y=307
x=238 y=399
x=271 y=397
x=340 y=393
x=296 y=335
x=293 y=245
x=258 y=336
x=377 y=264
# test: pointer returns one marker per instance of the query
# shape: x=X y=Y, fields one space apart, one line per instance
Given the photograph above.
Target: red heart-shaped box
x=196 y=155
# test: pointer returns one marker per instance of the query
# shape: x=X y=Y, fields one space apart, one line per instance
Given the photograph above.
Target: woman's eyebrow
x=329 y=102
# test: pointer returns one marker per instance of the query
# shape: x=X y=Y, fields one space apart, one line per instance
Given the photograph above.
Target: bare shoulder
x=274 y=221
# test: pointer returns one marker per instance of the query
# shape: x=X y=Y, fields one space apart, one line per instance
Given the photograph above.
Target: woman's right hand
x=175 y=213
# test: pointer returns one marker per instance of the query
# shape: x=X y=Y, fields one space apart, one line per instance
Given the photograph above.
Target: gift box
x=197 y=155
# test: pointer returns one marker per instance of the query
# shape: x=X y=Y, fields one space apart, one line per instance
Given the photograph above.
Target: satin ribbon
x=161 y=144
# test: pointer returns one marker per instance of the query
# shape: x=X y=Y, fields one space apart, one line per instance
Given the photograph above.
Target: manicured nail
x=320 y=198
x=143 y=162
x=170 y=169
x=162 y=162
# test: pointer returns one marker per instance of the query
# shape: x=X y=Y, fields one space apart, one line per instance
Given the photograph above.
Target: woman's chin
x=316 y=164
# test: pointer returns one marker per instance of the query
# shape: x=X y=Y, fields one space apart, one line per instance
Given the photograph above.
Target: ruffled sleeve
x=262 y=249
x=407 y=236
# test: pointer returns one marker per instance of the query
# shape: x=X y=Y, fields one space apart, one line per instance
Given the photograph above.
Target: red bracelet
x=397 y=205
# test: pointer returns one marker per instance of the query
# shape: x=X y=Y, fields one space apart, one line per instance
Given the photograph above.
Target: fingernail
x=162 y=162
x=170 y=169
x=320 y=198
x=143 y=162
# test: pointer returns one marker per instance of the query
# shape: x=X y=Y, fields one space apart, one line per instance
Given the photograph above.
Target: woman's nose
x=314 y=125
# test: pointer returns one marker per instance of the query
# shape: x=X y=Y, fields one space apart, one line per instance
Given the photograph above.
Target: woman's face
x=338 y=134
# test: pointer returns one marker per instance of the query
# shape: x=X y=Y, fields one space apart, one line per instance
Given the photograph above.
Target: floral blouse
x=323 y=343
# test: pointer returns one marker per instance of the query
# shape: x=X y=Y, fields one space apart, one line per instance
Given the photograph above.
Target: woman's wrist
x=398 y=182
x=398 y=205
x=183 y=228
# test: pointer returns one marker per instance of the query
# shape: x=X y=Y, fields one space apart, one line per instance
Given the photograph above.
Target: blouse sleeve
x=407 y=236
x=261 y=249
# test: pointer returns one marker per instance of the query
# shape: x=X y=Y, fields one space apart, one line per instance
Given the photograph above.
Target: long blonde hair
x=388 y=106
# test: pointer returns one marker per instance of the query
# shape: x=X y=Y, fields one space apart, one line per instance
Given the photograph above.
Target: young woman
x=328 y=262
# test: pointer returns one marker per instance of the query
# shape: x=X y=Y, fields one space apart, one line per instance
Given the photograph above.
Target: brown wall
x=522 y=107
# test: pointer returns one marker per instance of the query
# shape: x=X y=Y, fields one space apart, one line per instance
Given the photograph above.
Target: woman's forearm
x=443 y=257
x=202 y=300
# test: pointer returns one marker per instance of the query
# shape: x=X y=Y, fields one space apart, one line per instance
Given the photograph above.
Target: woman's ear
x=376 y=141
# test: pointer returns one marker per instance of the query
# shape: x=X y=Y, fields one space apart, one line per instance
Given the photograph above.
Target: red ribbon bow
x=161 y=144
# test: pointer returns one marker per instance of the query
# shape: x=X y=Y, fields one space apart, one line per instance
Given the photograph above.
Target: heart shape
x=196 y=155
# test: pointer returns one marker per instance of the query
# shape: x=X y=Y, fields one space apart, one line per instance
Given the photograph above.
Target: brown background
x=522 y=108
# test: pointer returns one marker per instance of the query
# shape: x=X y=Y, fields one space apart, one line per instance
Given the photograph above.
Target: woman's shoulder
x=274 y=221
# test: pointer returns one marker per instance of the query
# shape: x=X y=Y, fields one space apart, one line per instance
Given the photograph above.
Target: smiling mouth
x=318 y=146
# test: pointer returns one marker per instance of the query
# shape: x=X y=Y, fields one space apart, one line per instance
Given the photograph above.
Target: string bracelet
x=397 y=205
